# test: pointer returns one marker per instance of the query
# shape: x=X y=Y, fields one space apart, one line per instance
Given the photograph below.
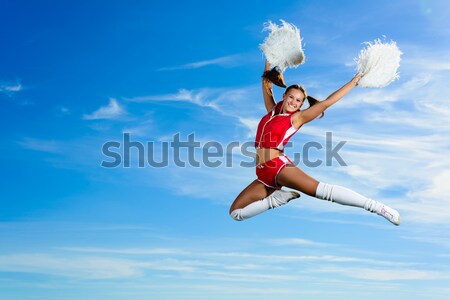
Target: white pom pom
x=283 y=46
x=379 y=63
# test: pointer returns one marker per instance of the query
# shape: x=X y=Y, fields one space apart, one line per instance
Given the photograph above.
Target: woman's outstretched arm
x=317 y=109
x=269 y=101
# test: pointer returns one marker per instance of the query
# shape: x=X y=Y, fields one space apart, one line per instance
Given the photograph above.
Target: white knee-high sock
x=274 y=200
x=251 y=210
x=345 y=196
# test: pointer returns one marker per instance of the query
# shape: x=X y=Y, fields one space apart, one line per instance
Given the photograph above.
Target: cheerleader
x=275 y=170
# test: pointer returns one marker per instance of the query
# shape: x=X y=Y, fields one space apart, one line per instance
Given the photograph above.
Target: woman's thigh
x=294 y=178
x=253 y=192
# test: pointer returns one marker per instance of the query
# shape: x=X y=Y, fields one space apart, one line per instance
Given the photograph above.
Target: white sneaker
x=390 y=214
x=281 y=197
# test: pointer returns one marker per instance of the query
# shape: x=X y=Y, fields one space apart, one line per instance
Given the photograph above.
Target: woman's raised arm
x=317 y=109
x=269 y=101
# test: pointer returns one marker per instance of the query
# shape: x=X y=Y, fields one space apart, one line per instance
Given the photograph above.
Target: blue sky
x=74 y=76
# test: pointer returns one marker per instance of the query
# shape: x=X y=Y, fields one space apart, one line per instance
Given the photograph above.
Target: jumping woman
x=275 y=170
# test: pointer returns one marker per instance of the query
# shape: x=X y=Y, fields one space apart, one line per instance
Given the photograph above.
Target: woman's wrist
x=267 y=66
x=355 y=80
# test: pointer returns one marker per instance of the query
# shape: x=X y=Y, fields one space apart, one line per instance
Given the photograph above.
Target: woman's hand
x=267 y=84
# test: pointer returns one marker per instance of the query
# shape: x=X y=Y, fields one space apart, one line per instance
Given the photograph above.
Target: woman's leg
x=257 y=198
x=295 y=178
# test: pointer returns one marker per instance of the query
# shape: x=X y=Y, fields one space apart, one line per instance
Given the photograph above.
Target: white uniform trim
x=284 y=159
x=288 y=133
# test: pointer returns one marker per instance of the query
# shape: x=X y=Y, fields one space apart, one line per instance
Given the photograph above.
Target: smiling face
x=293 y=99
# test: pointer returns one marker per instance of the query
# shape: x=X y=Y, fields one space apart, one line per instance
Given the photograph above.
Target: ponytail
x=312 y=101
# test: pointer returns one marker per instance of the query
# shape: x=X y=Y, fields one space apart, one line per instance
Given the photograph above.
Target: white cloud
x=111 y=111
x=96 y=267
x=430 y=63
x=436 y=235
x=430 y=203
x=297 y=242
x=10 y=88
x=230 y=60
x=183 y=95
x=221 y=266
x=49 y=146
x=254 y=259
x=143 y=129
x=287 y=259
x=390 y=94
x=385 y=274
x=233 y=104
x=65 y=110
x=84 y=267
x=250 y=277
x=417 y=165
x=130 y=251
x=251 y=124
x=13 y=88
x=220 y=262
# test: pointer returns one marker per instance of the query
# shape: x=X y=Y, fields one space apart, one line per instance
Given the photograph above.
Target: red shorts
x=268 y=171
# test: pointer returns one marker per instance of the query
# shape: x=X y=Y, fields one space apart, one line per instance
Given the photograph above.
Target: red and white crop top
x=275 y=129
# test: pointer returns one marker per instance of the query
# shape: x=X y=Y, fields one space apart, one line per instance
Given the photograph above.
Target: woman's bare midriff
x=266 y=154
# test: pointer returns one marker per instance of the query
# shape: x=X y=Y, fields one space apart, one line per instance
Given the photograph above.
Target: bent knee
x=236 y=215
x=235 y=205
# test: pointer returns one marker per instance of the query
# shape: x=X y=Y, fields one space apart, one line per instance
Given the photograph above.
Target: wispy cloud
x=10 y=88
x=183 y=95
x=429 y=205
x=64 y=110
x=49 y=146
x=437 y=236
x=130 y=251
x=390 y=274
x=111 y=111
x=390 y=94
x=103 y=263
x=235 y=104
x=251 y=124
x=84 y=267
x=297 y=242
x=172 y=264
x=224 y=61
x=421 y=197
x=274 y=258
